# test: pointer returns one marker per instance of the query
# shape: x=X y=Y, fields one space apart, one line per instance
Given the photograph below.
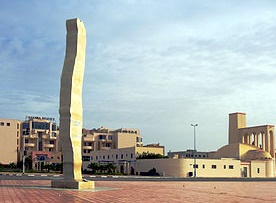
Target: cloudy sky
x=156 y=65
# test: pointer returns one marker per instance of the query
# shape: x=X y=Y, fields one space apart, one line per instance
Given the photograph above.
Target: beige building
x=184 y=167
x=249 y=153
x=188 y=154
x=40 y=137
x=120 y=147
x=104 y=139
x=9 y=140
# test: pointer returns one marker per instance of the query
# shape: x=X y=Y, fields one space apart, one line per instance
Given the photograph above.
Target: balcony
x=34 y=136
x=87 y=147
x=88 y=139
x=53 y=138
x=105 y=148
x=49 y=145
x=29 y=144
x=45 y=136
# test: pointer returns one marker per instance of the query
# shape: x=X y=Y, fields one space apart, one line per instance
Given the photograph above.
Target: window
x=26 y=126
x=52 y=142
x=54 y=127
x=258 y=170
x=39 y=141
x=224 y=166
x=116 y=156
x=131 y=155
x=41 y=125
x=8 y=124
x=26 y=131
x=195 y=166
x=122 y=156
x=107 y=156
x=103 y=156
x=84 y=151
x=86 y=158
x=109 y=137
x=102 y=137
x=2 y=124
x=231 y=167
x=214 y=166
x=203 y=166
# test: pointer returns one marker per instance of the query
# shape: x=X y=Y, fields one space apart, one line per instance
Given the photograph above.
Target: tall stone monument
x=70 y=108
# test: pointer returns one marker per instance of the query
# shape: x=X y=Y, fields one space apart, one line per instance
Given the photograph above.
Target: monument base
x=72 y=184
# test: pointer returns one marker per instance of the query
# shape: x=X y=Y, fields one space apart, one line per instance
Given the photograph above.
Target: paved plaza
x=39 y=191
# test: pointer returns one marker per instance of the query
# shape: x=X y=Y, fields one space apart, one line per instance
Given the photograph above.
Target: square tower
x=236 y=121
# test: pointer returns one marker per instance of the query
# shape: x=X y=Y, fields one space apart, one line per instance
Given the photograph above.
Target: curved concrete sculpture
x=70 y=109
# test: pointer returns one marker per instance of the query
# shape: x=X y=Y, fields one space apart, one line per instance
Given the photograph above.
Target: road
x=27 y=176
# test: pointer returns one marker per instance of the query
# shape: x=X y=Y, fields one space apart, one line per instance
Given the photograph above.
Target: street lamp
x=23 y=157
x=194 y=125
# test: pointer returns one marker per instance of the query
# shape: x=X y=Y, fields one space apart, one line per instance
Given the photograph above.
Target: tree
x=94 y=167
x=48 y=167
x=57 y=167
x=110 y=168
x=147 y=155
x=28 y=162
x=12 y=166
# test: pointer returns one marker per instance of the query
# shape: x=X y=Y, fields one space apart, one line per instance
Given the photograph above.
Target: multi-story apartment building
x=40 y=140
x=120 y=147
x=10 y=140
x=104 y=139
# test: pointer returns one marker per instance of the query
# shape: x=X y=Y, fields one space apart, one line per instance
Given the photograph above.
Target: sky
x=155 y=65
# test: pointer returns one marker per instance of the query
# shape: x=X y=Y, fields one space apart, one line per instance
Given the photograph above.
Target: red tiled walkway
x=39 y=191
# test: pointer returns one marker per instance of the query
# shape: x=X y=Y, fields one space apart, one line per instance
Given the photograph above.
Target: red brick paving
x=39 y=191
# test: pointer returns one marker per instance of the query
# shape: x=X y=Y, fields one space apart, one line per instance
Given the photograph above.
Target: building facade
x=120 y=147
x=106 y=139
x=188 y=154
x=249 y=153
x=10 y=141
x=40 y=141
x=184 y=167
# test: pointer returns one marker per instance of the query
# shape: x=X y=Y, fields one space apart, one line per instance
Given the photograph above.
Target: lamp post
x=23 y=157
x=194 y=125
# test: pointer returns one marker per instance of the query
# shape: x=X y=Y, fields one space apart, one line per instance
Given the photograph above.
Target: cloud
x=155 y=65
